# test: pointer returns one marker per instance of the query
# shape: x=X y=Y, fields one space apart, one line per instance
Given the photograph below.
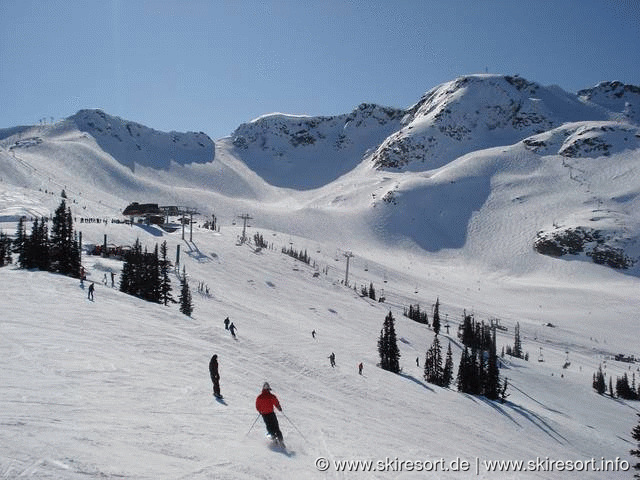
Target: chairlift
x=540 y=357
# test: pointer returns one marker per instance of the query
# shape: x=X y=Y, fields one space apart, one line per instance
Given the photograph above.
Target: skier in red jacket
x=265 y=403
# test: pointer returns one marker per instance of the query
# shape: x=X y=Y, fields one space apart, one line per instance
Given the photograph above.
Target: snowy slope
x=119 y=387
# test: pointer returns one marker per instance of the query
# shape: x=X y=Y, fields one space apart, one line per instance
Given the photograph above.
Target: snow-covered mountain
x=309 y=152
x=481 y=111
x=133 y=144
x=481 y=195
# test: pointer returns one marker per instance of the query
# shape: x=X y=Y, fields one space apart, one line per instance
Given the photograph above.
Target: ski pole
x=251 y=427
x=298 y=430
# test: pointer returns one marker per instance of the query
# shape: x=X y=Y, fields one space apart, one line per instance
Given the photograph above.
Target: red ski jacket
x=266 y=401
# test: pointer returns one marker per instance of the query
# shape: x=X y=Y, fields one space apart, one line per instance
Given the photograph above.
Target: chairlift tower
x=245 y=217
x=348 y=255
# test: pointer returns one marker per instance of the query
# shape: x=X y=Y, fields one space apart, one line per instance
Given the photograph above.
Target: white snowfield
x=119 y=387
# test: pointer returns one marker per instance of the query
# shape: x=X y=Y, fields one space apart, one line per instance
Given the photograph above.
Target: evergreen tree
x=598 y=381
x=436 y=317
x=372 y=292
x=492 y=377
x=635 y=433
x=611 y=393
x=517 y=344
x=467 y=330
x=433 y=371
x=447 y=374
x=5 y=249
x=165 y=281
x=388 y=346
x=59 y=240
x=503 y=391
x=18 y=242
x=463 y=378
x=186 y=306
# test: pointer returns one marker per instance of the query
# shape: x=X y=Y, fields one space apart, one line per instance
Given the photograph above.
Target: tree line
x=54 y=250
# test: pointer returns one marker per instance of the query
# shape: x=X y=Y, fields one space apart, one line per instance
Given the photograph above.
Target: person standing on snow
x=91 y=289
x=215 y=376
x=232 y=329
x=226 y=323
x=332 y=359
x=265 y=404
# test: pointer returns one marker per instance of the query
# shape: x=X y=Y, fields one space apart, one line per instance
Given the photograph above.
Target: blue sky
x=208 y=65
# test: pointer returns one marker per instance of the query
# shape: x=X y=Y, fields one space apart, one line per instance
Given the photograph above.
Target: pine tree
x=517 y=344
x=635 y=433
x=436 y=317
x=598 y=381
x=463 y=377
x=503 y=391
x=433 y=371
x=165 y=281
x=492 y=377
x=5 y=249
x=18 y=242
x=186 y=305
x=372 y=292
x=388 y=346
x=611 y=393
x=447 y=374
x=60 y=260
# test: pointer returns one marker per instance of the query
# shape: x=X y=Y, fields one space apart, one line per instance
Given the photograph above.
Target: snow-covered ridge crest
x=477 y=112
x=133 y=144
x=622 y=99
x=305 y=152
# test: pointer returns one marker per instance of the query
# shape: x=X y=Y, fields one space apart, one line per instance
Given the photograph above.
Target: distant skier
x=332 y=359
x=226 y=323
x=232 y=329
x=360 y=367
x=104 y=279
x=417 y=361
x=113 y=278
x=265 y=403
x=215 y=376
x=313 y=334
x=91 y=289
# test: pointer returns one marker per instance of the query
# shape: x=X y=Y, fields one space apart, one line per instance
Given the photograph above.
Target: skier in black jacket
x=215 y=376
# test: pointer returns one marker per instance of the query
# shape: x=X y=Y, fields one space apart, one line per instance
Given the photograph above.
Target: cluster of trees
x=475 y=335
x=516 y=350
x=146 y=275
x=478 y=371
x=298 y=255
x=434 y=371
x=258 y=240
x=388 y=346
x=624 y=389
x=58 y=251
x=415 y=313
x=479 y=374
x=370 y=292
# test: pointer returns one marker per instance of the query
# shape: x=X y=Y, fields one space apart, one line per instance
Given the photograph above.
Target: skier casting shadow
x=215 y=376
x=265 y=403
